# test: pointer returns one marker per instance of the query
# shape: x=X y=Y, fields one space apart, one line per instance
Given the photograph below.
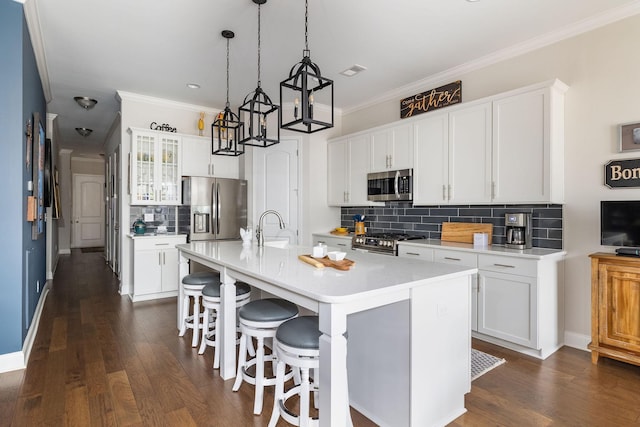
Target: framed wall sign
x=622 y=173
x=629 y=137
x=431 y=100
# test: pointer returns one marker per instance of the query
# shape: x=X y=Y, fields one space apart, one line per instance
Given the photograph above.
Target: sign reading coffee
x=622 y=173
x=432 y=99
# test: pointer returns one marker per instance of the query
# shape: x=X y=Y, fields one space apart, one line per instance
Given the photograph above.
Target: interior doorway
x=276 y=187
x=88 y=223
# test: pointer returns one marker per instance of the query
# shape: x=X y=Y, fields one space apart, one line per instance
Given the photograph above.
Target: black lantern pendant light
x=227 y=126
x=307 y=90
x=257 y=109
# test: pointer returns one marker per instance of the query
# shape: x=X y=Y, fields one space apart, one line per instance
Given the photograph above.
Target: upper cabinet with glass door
x=155 y=168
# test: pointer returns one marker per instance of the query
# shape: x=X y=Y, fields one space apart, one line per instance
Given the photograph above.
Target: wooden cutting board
x=462 y=232
x=344 y=264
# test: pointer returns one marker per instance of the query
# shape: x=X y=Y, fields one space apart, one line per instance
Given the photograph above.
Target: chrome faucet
x=259 y=235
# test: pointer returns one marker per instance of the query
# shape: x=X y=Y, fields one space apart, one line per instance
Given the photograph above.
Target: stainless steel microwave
x=389 y=186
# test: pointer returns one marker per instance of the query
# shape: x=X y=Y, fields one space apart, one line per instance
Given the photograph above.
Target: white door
x=88 y=210
x=276 y=187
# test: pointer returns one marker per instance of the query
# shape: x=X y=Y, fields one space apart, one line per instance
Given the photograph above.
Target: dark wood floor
x=99 y=360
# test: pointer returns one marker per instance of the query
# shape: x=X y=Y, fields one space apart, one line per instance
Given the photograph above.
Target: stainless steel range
x=384 y=243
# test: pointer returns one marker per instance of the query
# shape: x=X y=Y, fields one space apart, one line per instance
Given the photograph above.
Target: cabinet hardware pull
x=444 y=192
x=412 y=253
x=493 y=189
x=449 y=192
x=341 y=244
x=505 y=265
x=164 y=257
x=162 y=244
x=452 y=259
x=159 y=258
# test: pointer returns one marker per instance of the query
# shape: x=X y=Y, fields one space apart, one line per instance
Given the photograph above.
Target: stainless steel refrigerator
x=218 y=207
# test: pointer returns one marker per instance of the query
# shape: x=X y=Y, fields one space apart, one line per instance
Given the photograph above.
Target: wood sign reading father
x=431 y=100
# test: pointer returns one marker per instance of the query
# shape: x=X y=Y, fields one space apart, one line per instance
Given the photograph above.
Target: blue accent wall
x=22 y=95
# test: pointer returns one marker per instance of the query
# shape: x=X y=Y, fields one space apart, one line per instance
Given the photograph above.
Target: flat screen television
x=620 y=223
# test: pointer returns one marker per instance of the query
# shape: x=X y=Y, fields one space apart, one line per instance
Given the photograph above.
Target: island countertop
x=372 y=274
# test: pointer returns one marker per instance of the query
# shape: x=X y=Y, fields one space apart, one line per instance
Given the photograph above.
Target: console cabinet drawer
x=425 y=254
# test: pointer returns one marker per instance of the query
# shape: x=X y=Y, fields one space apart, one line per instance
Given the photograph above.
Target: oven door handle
x=395 y=184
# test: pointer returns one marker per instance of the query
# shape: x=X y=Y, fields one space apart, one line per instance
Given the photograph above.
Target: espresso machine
x=518 y=230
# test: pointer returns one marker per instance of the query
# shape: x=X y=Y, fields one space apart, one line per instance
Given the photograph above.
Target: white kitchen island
x=408 y=325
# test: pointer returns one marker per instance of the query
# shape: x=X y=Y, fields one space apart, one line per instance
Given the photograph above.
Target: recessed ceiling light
x=193 y=85
x=473 y=1
x=353 y=70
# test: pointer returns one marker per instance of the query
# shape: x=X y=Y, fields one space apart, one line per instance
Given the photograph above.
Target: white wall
x=601 y=68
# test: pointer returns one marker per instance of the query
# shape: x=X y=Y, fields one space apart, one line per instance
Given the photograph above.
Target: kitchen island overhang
x=433 y=298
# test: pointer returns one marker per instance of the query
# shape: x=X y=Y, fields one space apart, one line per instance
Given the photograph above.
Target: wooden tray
x=462 y=232
x=343 y=265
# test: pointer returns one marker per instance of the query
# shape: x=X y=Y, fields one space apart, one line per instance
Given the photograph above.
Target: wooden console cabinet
x=615 y=307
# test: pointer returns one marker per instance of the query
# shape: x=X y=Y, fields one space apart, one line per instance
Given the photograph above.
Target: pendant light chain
x=227 y=73
x=306 y=25
x=258 y=44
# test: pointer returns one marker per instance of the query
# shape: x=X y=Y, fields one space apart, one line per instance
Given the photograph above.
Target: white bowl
x=336 y=256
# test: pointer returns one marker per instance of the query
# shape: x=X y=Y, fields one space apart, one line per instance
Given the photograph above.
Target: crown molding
x=129 y=96
x=445 y=76
x=33 y=24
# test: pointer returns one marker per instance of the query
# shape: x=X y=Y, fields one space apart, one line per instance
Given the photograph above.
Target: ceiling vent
x=353 y=70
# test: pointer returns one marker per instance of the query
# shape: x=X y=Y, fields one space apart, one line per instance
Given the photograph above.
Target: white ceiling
x=155 y=47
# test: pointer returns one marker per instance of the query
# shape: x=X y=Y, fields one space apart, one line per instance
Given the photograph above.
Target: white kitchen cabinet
x=348 y=164
x=453 y=157
x=392 y=148
x=507 y=307
x=470 y=155
x=155 y=267
x=342 y=243
x=517 y=300
x=528 y=141
x=197 y=159
x=155 y=168
x=431 y=146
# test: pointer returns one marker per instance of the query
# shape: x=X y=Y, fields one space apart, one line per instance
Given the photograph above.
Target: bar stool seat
x=211 y=304
x=260 y=319
x=192 y=285
x=297 y=344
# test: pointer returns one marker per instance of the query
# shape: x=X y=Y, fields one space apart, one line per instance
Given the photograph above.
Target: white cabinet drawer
x=509 y=265
x=165 y=242
x=455 y=257
x=425 y=254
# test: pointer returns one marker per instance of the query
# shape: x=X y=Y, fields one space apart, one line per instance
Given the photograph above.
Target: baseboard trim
x=64 y=252
x=19 y=359
x=575 y=340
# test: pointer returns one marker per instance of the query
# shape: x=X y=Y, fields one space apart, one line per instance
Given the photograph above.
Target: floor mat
x=481 y=363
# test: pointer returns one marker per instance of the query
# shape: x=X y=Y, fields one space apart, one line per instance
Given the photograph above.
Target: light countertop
x=534 y=253
x=372 y=274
